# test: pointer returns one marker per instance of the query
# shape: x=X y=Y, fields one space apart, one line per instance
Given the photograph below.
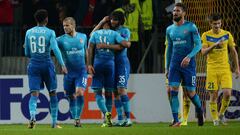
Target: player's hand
x=64 y=70
x=237 y=72
x=185 y=62
x=91 y=70
x=101 y=45
x=219 y=44
x=105 y=19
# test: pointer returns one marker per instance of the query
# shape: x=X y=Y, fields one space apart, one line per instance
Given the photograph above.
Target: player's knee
x=122 y=91
x=97 y=91
x=35 y=93
x=52 y=93
x=191 y=93
x=213 y=97
x=71 y=96
x=108 y=93
x=175 y=88
x=227 y=94
x=116 y=95
x=79 y=92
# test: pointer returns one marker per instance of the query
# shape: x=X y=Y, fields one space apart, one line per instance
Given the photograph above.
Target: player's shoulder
x=61 y=37
x=209 y=32
x=31 y=29
x=225 y=31
x=110 y=30
x=82 y=35
x=170 y=27
x=190 y=24
x=124 y=28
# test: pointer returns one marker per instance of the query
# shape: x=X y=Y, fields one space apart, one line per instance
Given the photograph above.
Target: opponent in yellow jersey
x=216 y=45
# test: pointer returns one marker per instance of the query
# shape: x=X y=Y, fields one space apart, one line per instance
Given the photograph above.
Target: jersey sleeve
x=92 y=38
x=165 y=53
x=169 y=49
x=196 y=40
x=126 y=34
x=56 y=50
x=231 y=42
x=118 y=37
x=59 y=43
x=85 y=41
x=204 y=40
x=27 y=46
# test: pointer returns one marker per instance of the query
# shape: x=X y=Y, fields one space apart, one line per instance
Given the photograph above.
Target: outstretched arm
x=99 y=25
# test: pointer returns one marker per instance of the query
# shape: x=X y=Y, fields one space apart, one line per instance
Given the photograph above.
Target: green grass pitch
x=137 y=129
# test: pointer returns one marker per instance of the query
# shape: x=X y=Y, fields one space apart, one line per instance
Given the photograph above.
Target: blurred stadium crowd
x=146 y=55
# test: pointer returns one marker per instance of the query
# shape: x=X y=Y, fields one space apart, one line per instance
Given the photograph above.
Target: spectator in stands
x=131 y=10
x=147 y=18
x=6 y=22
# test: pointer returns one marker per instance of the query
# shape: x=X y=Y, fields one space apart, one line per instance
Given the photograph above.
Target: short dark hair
x=119 y=16
x=71 y=19
x=215 y=17
x=179 y=4
x=41 y=15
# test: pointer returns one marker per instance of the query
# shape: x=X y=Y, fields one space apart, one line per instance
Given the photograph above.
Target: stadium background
x=13 y=63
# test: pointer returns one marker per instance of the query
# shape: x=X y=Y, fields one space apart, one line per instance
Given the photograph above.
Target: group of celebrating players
x=104 y=57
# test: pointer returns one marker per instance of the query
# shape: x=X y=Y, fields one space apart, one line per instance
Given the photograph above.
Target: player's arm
x=86 y=51
x=122 y=41
x=57 y=52
x=196 y=49
x=90 y=59
x=126 y=36
x=165 y=56
x=116 y=47
x=26 y=47
x=91 y=46
x=99 y=25
x=168 y=51
x=206 y=49
x=235 y=59
x=197 y=42
x=234 y=54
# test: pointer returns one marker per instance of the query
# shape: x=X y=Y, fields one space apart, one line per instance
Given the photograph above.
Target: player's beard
x=177 y=19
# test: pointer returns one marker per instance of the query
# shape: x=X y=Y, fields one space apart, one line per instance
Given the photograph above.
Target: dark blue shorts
x=185 y=76
x=40 y=75
x=75 y=80
x=104 y=76
x=122 y=73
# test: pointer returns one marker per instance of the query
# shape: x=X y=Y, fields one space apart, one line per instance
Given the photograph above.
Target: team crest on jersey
x=81 y=40
x=185 y=31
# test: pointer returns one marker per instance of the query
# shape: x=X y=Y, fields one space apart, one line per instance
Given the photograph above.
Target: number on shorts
x=210 y=85
x=84 y=81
